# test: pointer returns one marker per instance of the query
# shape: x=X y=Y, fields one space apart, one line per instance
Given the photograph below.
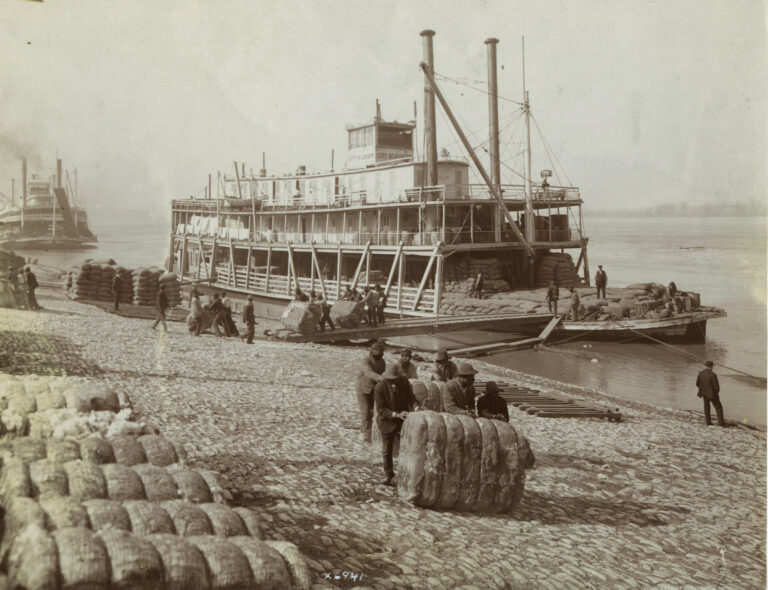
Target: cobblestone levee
x=650 y=502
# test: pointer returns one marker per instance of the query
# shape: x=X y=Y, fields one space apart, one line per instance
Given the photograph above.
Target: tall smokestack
x=493 y=112
x=430 y=130
x=23 y=182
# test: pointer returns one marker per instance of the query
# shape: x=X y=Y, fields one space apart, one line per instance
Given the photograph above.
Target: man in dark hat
x=601 y=280
x=491 y=405
x=553 y=294
x=117 y=283
x=371 y=369
x=161 y=304
x=325 y=314
x=445 y=369
x=32 y=284
x=709 y=389
x=394 y=399
x=459 y=393
x=249 y=319
x=408 y=368
x=575 y=302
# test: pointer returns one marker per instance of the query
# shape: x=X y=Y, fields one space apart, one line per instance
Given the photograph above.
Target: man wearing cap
x=445 y=369
x=371 y=369
x=575 y=302
x=553 y=293
x=117 y=283
x=459 y=393
x=709 y=389
x=394 y=399
x=32 y=284
x=409 y=369
x=601 y=280
x=491 y=405
x=249 y=319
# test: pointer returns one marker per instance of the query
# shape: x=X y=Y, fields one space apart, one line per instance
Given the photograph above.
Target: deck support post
x=338 y=273
x=343 y=226
x=425 y=278
x=183 y=253
x=327 y=222
x=395 y=263
x=438 y=283
x=586 y=262
x=378 y=224
x=248 y=267
x=397 y=225
x=368 y=268
x=472 y=224
x=291 y=269
x=312 y=272
x=360 y=266
x=359 y=226
x=269 y=265
x=400 y=281
x=316 y=263
x=231 y=274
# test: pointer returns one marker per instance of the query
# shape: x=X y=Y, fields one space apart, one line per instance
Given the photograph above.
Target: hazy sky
x=642 y=102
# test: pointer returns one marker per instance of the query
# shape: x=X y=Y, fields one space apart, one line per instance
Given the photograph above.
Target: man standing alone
x=601 y=280
x=31 y=281
x=575 y=302
x=371 y=369
x=394 y=399
x=709 y=389
x=160 y=306
x=249 y=319
x=553 y=293
x=117 y=283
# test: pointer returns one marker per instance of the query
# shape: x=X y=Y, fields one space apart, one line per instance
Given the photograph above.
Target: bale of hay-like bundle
x=250 y=520
x=184 y=567
x=148 y=518
x=347 y=314
x=269 y=567
x=434 y=398
x=96 y=450
x=188 y=519
x=297 y=565
x=134 y=562
x=33 y=561
x=158 y=450
x=83 y=562
x=27 y=449
x=191 y=486
x=158 y=484
x=473 y=464
x=127 y=450
x=19 y=513
x=218 y=492
x=301 y=317
x=62 y=450
x=14 y=480
x=49 y=400
x=47 y=477
x=64 y=511
x=106 y=514
x=84 y=396
x=228 y=566
x=224 y=521
x=86 y=480
x=123 y=483
x=419 y=391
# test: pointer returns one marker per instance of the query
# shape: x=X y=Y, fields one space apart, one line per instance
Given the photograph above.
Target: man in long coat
x=394 y=399
x=371 y=368
x=709 y=389
x=32 y=284
x=601 y=280
x=249 y=319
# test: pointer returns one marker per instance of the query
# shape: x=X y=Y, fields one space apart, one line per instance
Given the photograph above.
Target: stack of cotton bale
x=122 y=511
x=126 y=284
x=559 y=268
x=302 y=317
x=105 y=285
x=145 y=285
x=172 y=287
x=375 y=277
x=85 y=281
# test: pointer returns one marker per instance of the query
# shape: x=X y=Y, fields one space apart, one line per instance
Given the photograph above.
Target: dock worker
x=325 y=310
x=459 y=394
x=553 y=294
x=227 y=303
x=13 y=280
x=348 y=294
x=31 y=281
x=371 y=368
x=217 y=310
x=249 y=319
x=161 y=304
x=299 y=295
x=672 y=290
x=709 y=390
x=491 y=405
x=445 y=369
x=371 y=300
x=381 y=304
x=407 y=367
x=601 y=280
x=117 y=283
x=477 y=286
x=575 y=302
x=394 y=399
x=195 y=317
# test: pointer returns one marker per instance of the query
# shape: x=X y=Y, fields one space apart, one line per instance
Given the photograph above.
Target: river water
x=724 y=259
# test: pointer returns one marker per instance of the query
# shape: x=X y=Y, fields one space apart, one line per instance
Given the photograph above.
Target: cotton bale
x=148 y=518
x=123 y=483
x=269 y=567
x=347 y=314
x=64 y=511
x=33 y=561
x=127 y=450
x=188 y=519
x=191 y=485
x=96 y=450
x=297 y=564
x=134 y=562
x=225 y=521
x=228 y=566
x=107 y=514
x=184 y=567
x=301 y=317
x=83 y=561
x=48 y=477
x=86 y=480
x=158 y=450
x=158 y=483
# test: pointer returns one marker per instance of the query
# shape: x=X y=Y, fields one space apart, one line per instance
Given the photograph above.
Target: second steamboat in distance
x=387 y=218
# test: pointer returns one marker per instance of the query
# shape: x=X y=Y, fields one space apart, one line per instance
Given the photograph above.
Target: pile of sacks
x=462 y=269
x=126 y=284
x=375 y=277
x=172 y=287
x=92 y=280
x=145 y=285
x=557 y=267
x=490 y=286
x=123 y=511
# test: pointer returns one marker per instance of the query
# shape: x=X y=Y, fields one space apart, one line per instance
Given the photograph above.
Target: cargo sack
x=301 y=317
x=461 y=463
x=347 y=314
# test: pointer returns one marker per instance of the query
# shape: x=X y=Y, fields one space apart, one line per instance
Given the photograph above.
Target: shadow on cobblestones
x=548 y=509
x=583 y=462
x=29 y=352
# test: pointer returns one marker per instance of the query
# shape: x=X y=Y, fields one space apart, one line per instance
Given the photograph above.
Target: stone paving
x=648 y=503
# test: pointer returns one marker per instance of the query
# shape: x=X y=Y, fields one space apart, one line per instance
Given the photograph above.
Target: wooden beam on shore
x=291 y=270
x=360 y=265
x=201 y=262
x=316 y=265
x=395 y=265
x=425 y=278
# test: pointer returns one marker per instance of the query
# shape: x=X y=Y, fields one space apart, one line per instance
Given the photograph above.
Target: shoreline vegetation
x=747 y=208
x=648 y=502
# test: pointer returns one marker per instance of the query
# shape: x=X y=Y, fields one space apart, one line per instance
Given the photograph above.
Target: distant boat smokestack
x=493 y=112
x=430 y=130
x=23 y=182
x=58 y=172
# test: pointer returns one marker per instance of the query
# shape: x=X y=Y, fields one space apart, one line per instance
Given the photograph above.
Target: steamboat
x=410 y=224
x=48 y=216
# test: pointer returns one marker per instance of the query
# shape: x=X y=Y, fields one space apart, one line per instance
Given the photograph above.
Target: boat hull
x=47 y=243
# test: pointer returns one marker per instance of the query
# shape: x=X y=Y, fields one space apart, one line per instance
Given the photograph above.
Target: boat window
x=360 y=137
x=394 y=137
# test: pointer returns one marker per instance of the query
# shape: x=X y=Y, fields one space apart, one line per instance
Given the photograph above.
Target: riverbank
x=648 y=502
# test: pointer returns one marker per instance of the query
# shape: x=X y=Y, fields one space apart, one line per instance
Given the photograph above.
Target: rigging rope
x=547 y=147
x=460 y=83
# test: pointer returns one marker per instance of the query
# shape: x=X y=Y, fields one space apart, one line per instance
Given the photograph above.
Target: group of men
x=325 y=307
x=374 y=300
x=23 y=283
x=553 y=294
x=388 y=389
x=220 y=307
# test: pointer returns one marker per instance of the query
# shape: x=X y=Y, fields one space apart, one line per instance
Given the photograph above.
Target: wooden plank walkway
x=485 y=349
x=414 y=326
x=549 y=405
